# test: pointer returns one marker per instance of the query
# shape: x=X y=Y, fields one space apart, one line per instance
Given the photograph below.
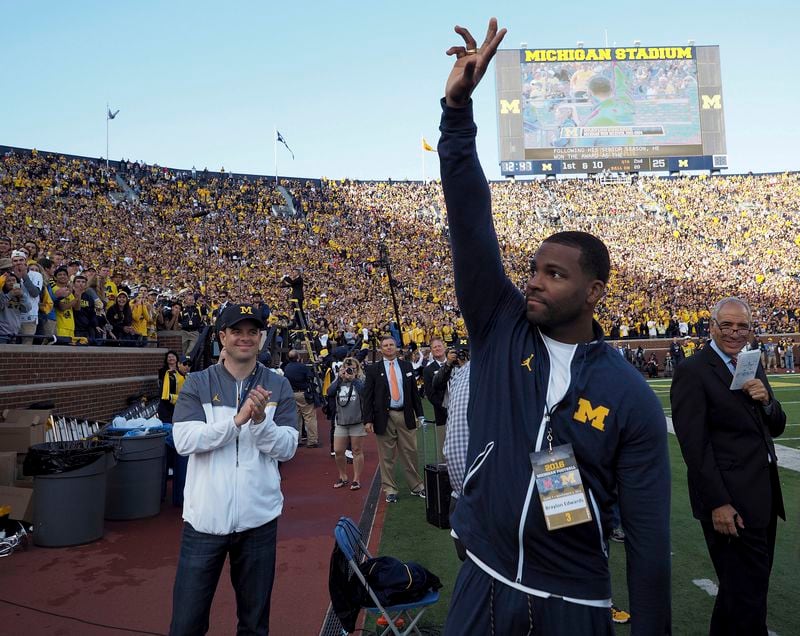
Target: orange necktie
x=393 y=386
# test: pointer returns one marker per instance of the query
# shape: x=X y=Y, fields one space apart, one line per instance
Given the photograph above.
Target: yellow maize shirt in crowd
x=65 y=319
x=141 y=316
x=111 y=292
x=171 y=386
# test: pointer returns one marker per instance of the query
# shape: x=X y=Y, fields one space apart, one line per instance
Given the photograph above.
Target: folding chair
x=348 y=538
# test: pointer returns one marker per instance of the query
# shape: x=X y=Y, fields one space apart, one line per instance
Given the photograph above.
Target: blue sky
x=351 y=85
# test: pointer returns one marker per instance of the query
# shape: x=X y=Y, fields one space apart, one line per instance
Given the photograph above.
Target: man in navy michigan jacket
x=543 y=377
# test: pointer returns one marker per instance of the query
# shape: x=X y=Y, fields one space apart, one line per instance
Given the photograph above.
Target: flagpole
x=275 y=146
x=422 y=145
x=108 y=110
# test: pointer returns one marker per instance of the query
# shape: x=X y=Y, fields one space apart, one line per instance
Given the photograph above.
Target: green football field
x=787 y=391
x=408 y=536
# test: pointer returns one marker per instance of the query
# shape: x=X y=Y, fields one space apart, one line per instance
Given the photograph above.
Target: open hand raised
x=471 y=63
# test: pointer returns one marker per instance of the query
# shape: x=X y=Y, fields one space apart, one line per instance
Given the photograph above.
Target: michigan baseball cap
x=234 y=314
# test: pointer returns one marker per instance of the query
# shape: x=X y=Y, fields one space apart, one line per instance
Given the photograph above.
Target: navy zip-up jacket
x=611 y=417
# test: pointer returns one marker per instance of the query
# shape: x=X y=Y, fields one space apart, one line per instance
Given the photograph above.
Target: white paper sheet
x=746 y=366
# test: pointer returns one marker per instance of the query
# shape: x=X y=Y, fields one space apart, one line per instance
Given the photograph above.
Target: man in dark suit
x=726 y=441
x=391 y=406
x=436 y=397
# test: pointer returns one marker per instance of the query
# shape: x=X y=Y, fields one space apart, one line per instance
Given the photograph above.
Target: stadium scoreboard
x=612 y=109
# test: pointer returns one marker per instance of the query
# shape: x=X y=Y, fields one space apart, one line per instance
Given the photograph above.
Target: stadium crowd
x=199 y=238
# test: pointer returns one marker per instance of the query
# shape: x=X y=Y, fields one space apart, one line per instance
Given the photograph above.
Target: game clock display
x=616 y=164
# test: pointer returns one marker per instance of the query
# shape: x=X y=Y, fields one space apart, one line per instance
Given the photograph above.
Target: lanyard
x=548 y=414
x=240 y=399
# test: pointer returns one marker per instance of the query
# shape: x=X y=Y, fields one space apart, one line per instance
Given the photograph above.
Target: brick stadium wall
x=32 y=364
x=170 y=340
x=93 y=403
x=85 y=382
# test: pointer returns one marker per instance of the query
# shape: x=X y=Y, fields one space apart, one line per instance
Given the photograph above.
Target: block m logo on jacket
x=587 y=413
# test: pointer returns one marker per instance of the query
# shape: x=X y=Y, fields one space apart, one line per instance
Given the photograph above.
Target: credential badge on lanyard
x=560 y=487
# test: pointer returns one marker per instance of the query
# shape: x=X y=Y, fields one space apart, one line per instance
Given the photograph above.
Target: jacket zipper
x=477 y=463
x=236 y=473
x=521 y=531
x=544 y=424
x=524 y=516
x=238 y=395
x=597 y=521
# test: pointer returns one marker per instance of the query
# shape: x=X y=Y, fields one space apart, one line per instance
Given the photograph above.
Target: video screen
x=596 y=109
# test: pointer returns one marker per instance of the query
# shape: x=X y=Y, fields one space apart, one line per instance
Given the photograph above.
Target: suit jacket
x=435 y=396
x=375 y=404
x=726 y=441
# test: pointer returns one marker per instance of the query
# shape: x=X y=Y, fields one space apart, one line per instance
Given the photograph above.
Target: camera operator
x=168 y=315
x=457 y=358
x=347 y=390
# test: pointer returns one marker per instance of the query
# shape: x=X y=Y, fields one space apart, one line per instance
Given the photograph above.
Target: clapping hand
x=254 y=408
x=471 y=63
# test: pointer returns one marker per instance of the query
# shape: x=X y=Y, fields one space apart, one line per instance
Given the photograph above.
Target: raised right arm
x=479 y=276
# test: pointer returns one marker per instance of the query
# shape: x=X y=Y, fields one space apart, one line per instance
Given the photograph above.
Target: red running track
x=125 y=579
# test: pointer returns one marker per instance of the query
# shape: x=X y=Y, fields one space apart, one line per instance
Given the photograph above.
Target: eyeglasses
x=727 y=330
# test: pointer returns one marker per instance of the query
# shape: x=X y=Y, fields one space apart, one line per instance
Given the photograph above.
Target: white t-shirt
x=560 y=361
x=32 y=315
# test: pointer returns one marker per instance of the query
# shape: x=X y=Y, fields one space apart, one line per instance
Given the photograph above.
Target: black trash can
x=134 y=484
x=69 y=488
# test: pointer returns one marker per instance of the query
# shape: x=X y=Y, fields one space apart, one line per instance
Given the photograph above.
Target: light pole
x=383 y=261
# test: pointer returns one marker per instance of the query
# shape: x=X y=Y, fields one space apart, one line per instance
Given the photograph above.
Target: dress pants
x=743 y=566
x=441 y=431
x=188 y=340
x=308 y=415
x=396 y=441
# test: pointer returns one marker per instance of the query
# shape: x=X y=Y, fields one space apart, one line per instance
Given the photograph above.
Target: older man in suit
x=436 y=396
x=726 y=441
x=391 y=406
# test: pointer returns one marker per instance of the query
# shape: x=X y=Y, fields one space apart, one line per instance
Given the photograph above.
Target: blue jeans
x=252 y=558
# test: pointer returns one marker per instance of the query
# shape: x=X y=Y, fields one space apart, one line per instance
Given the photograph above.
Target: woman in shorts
x=347 y=390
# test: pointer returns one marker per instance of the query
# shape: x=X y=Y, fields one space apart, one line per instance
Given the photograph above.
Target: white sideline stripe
x=710 y=588
x=787 y=457
x=707 y=585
